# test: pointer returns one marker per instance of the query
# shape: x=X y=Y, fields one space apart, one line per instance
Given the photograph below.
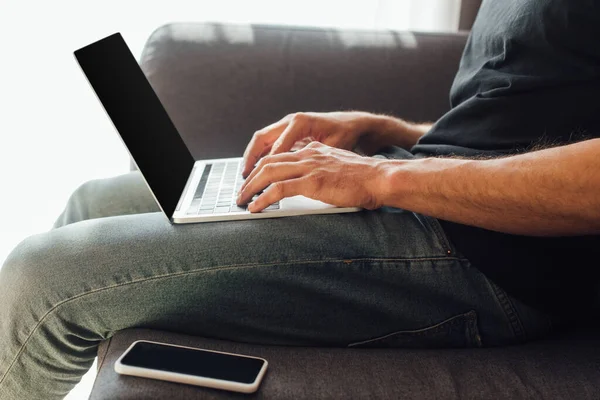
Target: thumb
x=292 y=133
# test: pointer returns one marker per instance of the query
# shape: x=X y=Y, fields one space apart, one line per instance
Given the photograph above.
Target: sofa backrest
x=221 y=82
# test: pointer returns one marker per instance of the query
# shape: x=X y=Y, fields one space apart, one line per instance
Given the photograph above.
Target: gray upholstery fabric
x=551 y=369
x=220 y=83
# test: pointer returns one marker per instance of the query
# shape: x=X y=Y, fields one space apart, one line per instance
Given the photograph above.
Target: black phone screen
x=202 y=363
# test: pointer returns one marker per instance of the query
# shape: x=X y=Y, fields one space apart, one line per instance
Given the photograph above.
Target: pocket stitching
x=440 y=235
x=470 y=319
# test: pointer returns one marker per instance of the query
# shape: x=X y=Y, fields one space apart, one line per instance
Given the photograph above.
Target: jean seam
x=511 y=313
x=467 y=317
x=441 y=235
x=203 y=270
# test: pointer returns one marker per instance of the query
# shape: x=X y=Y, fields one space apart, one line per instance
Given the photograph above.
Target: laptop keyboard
x=218 y=188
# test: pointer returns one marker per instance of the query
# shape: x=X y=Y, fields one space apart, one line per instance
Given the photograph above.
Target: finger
x=268 y=160
x=265 y=152
x=296 y=130
x=278 y=191
x=270 y=174
x=260 y=143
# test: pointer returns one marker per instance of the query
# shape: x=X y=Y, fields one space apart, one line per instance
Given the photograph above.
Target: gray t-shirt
x=529 y=76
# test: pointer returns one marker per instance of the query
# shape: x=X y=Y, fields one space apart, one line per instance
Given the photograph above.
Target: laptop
x=187 y=191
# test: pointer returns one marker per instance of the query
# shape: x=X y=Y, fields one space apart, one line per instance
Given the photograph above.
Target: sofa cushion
x=558 y=368
x=221 y=82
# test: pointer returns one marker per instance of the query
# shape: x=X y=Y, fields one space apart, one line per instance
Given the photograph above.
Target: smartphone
x=213 y=369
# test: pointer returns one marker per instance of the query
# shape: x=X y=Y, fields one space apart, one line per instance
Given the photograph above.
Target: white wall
x=54 y=134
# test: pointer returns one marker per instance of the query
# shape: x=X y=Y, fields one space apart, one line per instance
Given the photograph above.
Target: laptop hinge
x=185 y=189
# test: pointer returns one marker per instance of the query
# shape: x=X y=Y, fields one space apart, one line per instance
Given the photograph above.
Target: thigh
x=312 y=280
x=120 y=195
x=327 y=280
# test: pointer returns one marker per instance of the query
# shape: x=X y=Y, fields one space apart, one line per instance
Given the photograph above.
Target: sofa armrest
x=563 y=367
x=221 y=82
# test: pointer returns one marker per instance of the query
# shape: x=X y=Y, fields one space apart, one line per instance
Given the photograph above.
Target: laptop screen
x=139 y=116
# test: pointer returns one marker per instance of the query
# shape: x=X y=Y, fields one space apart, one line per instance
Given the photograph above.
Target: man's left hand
x=317 y=171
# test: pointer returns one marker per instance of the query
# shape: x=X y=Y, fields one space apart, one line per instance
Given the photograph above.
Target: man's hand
x=336 y=129
x=318 y=171
x=347 y=130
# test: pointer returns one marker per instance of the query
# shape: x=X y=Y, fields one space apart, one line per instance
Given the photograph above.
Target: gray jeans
x=369 y=279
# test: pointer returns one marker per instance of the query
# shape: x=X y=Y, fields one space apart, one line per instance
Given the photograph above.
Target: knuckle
x=278 y=188
x=314 y=185
x=265 y=161
x=305 y=154
x=297 y=116
x=267 y=169
x=308 y=163
x=260 y=164
x=312 y=153
x=301 y=117
x=317 y=180
x=302 y=152
x=315 y=147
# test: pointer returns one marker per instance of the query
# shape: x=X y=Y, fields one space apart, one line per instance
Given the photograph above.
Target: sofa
x=220 y=83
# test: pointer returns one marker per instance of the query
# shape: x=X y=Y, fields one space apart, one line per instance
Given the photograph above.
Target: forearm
x=550 y=192
x=385 y=130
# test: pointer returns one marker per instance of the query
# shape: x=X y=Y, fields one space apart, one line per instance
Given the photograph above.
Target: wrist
x=364 y=122
x=393 y=182
x=419 y=184
x=389 y=130
x=373 y=132
x=412 y=132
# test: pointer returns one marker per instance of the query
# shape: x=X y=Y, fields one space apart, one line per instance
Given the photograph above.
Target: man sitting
x=486 y=229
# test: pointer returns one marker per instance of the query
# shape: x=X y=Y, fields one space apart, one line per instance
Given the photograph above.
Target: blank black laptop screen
x=139 y=116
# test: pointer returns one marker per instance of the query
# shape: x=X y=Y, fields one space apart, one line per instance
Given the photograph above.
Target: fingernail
x=251 y=206
x=239 y=197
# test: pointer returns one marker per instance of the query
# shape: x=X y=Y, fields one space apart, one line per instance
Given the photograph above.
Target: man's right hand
x=336 y=129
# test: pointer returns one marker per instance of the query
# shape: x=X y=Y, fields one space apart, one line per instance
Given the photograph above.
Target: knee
x=34 y=272
x=84 y=191
x=23 y=291
x=77 y=207
x=88 y=201
x=35 y=284
x=121 y=195
x=37 y=281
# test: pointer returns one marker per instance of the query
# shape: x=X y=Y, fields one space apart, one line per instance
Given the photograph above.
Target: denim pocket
x=459 y=331
x=440 y=234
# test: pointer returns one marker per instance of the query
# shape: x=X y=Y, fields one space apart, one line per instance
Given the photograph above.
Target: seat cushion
x=559 y=368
